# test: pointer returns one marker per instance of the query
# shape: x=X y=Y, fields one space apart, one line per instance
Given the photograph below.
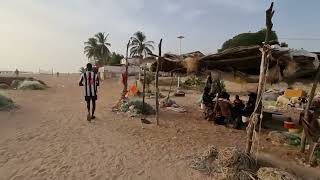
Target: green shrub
x=218 y=86
x=194 y=82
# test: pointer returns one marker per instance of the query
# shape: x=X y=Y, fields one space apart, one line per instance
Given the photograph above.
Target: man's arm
x=81 y=80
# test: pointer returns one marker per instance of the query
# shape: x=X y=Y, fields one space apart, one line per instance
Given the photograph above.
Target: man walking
x=90 y=81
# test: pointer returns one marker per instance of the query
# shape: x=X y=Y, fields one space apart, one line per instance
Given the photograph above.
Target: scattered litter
x=177 y=109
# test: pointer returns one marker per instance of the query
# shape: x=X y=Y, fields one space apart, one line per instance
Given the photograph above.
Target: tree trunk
x=263 y=67
x=306 y=110
x=125 y=88
x=157 y=83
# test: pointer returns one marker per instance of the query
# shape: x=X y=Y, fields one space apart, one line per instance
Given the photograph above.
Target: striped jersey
x=89 y=80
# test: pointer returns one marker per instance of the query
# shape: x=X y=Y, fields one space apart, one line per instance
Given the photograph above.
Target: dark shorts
x=93 y=98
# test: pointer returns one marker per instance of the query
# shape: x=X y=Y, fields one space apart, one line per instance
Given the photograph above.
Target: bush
x=31 y=85
x=5 y=103
x=218 y=86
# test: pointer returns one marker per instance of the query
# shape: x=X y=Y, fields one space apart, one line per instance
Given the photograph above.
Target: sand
x=48 y=137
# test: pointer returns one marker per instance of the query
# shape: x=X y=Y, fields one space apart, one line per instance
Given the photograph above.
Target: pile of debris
x=233 y=164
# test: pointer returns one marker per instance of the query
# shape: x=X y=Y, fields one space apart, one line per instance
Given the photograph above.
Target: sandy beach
x=48 y=137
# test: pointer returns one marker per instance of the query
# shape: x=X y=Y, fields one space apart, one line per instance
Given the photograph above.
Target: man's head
x=237 y=97
x=89 y=67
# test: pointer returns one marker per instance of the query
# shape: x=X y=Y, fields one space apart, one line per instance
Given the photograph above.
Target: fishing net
x=267 y=173
x=136 y=107
x=228 y=164
x=205 y=162
x=5 y=103
x=31 y=85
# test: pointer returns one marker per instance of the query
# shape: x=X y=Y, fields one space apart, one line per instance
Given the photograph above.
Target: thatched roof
x=243 y=59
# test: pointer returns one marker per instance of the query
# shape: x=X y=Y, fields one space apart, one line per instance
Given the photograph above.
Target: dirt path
x=49 y=138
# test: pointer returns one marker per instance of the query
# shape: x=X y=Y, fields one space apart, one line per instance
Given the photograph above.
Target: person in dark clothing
x=250 y=104
x=237 y=111
x=90 y=81
x=207 y=99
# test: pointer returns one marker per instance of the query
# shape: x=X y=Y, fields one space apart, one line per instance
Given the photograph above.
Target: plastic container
x=245 y=119
x=288 y=125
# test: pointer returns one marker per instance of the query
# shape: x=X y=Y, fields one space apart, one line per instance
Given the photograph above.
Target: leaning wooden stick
x=125 y=88
x=306 y=111
x=263 y=67
x=157 y=82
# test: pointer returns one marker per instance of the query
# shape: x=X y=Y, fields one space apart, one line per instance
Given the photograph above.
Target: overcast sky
x=51 y=33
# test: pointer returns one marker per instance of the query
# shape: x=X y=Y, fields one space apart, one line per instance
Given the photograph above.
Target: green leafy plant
x=194 y=82
x=218 y=86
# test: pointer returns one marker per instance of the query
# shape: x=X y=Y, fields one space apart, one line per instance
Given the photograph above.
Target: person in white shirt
x=90 y=81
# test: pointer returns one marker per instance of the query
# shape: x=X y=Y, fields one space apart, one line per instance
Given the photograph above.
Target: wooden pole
x=157 y=82
x=125 y=88
x=263 y=67
x=306 y=110
x=143 y=90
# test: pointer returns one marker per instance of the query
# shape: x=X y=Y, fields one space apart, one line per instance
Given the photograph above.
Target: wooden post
x=125 y=88
x=143 y=90
x=263 y=67
x=157 y=82
x=306 y=110
x=170 y=85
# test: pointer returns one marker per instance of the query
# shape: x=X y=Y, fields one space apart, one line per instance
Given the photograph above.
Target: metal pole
x=180 y=47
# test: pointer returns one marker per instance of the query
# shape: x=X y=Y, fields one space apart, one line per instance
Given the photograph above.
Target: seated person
x=223 y=110
x=238 y=102
x=249 y=108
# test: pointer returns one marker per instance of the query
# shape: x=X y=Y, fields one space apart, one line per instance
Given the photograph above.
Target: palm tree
x=139 y=45
x=90 y=48
x=103 y=44
x=97 y=48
